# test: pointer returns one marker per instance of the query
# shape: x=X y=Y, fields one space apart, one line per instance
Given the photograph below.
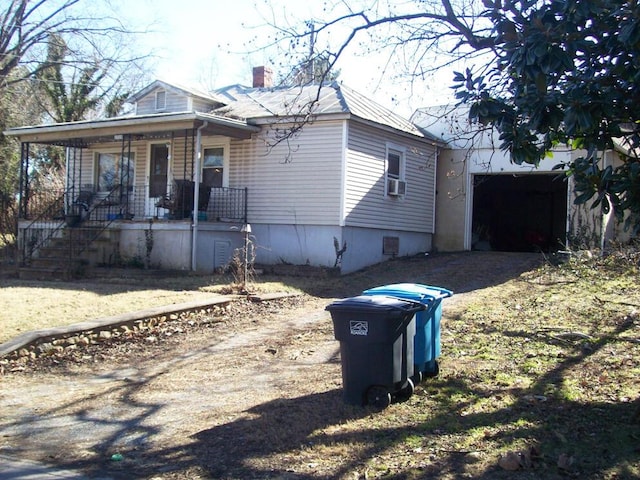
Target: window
x=213 y=167
x=112 y=170
x=161 y=100
x=395 y=172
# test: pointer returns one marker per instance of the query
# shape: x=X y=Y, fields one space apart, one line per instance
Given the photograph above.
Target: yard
x=538 y=379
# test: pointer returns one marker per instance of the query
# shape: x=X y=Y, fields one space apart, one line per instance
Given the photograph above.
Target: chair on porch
x=84 y=199
x=180 y=201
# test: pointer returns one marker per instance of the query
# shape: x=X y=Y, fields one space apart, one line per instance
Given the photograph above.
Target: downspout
x=196 y=196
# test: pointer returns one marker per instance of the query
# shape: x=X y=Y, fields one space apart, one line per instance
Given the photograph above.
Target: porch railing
x=223 y=204
x=66 y=210
x=217 y=204
x=96 y=211
x=47 y=222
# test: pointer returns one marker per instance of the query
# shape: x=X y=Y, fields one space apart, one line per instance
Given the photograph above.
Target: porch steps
x=57 y=262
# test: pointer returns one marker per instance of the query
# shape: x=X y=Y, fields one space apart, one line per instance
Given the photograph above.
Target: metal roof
x=240 y=109
x=296 y=102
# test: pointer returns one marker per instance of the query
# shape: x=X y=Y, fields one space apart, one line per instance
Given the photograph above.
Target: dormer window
x=161 y=100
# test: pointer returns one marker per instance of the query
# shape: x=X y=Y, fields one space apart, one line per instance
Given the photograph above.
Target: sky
x=206 y=44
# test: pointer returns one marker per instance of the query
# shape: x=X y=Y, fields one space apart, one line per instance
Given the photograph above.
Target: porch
x=92 y=228
x=126 y=174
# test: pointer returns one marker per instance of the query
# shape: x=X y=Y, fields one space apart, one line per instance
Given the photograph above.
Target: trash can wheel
x=434 y=372
x=378 y=397
x=405 y=392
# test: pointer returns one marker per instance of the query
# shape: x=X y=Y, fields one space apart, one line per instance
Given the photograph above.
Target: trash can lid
x=376 y=303
x=413 y=291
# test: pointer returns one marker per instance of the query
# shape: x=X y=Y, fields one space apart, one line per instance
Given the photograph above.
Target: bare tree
x=26 y=27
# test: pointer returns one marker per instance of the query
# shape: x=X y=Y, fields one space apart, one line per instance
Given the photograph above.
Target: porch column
x=24 y=180
x=196 y=196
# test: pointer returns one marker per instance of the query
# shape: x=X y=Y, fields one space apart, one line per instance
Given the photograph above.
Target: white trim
x=343 y=174
x=218 y=142
x=468 y=211
x=391 y=147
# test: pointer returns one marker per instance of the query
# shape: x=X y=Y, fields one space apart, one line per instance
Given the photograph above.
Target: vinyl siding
x=182 y=164
x=299 y=182
x=174 y=103
x=366 y=204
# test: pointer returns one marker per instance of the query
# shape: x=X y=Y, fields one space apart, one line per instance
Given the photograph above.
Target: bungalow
x=309 y=175
x=486 y=202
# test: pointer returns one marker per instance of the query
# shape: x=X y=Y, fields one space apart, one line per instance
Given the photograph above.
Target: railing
x=96 y=211
x=48 y=223
x=222 y=204
x=63 y=211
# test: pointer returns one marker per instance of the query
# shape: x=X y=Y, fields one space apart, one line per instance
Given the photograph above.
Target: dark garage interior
x=519 y=213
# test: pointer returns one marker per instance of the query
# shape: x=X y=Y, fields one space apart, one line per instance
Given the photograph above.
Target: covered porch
x=145 y=170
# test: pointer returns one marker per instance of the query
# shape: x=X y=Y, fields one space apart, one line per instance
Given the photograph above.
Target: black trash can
x=376 y=335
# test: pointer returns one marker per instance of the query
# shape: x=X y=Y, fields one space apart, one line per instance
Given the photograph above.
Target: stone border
x=107 y=323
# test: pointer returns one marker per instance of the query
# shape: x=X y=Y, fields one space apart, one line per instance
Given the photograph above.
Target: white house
x=181 y=181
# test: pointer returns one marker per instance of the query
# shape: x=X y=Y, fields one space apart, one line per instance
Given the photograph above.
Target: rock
x=104 y=335
x=44 y=347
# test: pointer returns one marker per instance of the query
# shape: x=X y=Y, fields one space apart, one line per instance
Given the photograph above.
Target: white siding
x=201 y=105
x=295 y=182
x=174 y=103
x=366 y=204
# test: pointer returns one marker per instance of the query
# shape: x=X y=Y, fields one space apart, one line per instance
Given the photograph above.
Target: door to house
x=158 y=174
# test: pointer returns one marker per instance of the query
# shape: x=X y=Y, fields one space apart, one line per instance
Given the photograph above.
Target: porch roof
x=78 y=133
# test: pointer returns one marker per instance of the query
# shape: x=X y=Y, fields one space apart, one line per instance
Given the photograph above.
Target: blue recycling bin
x=427 y=338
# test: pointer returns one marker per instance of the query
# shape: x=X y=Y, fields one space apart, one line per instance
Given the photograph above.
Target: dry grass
x=540 y=367
x=38 y=305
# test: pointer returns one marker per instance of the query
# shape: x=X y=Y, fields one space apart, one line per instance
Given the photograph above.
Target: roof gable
x=217 y=101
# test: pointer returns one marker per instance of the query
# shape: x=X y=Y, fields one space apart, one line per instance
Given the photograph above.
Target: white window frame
x=401 y=152
x=161 y=100
x=225 y=160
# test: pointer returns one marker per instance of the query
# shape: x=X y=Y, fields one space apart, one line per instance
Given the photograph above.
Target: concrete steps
x=65 y=259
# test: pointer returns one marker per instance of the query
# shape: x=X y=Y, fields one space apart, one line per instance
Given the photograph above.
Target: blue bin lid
x=412 y=291
x=377 y=303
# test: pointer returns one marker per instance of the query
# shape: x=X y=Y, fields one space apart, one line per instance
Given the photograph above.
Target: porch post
x=196 y=196
x=23 y=180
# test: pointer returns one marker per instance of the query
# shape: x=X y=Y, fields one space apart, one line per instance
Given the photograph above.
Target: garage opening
x=519 y=213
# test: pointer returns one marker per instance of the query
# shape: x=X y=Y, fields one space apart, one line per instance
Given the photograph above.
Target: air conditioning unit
x=396 y=187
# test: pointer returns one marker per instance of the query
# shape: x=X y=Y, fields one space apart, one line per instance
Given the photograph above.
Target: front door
x=158 y=175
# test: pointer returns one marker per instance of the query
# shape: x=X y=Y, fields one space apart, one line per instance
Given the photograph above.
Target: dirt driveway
x=227 y=398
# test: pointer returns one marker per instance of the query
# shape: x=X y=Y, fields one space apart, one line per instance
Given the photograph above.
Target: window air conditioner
x=396 y=187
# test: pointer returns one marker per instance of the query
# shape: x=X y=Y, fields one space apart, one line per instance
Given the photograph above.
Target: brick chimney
x=262 y=77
